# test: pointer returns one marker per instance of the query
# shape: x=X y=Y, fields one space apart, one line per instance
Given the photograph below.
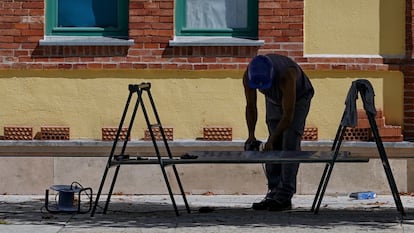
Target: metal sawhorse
x=117 y=160
x=349 y=119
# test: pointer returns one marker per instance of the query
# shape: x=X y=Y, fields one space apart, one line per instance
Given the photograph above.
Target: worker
x=288 y=93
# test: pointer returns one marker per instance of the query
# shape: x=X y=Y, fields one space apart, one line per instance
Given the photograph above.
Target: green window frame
x=120 y=29
x=251 y=31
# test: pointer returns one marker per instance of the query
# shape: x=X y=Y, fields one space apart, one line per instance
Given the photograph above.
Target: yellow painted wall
x=355 y=27
x=392 y=27
x=86 y=101
x=331 y=91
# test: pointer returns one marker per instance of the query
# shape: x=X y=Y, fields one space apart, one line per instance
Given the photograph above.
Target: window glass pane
x=87 y=13
x=216 y=14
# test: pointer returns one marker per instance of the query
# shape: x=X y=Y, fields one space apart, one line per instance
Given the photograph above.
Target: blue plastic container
x=363 y=195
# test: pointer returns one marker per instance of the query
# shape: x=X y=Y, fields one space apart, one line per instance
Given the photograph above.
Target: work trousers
x=281 y=178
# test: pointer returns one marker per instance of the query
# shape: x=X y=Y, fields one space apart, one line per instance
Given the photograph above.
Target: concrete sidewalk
x=230 y=213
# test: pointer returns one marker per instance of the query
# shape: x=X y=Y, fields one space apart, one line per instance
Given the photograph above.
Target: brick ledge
x=95 y=148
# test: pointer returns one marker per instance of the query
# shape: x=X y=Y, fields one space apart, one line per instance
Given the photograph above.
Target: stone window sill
x=213 y=41
x=84 y=41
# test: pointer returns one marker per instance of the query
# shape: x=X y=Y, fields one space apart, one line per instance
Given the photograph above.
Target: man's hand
x=252 y=145
x=268 y=146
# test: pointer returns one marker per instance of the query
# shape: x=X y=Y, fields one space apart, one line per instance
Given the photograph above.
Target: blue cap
x=260 y=73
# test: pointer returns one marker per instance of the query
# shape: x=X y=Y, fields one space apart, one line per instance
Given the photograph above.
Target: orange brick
x=310 y=134
x=363 y=123
x=392 y=138
x=109 y=134
x=380 y=122
x=380 y=113
x=168 y=133
x=217 y=133
x=390 y=131
x=363 y=115
x=357 y=134
x=18 y=133
x=54 y=133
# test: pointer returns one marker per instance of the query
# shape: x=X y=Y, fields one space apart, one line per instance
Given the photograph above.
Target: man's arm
x=287 y=82
x=251 y=109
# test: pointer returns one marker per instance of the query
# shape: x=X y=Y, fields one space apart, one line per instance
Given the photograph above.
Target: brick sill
x=95 y=148
x=213 y=41
x=84 y=41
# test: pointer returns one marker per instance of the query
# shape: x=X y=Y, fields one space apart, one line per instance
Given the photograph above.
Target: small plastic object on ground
x=363 y=195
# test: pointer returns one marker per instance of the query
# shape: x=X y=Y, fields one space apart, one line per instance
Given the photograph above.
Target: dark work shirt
x=281 y=63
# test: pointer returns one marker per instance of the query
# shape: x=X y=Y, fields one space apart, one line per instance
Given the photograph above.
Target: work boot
x=263 y=205
x=276 y=205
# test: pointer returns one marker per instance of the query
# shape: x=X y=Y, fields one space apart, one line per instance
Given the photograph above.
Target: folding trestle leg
x=367 y=93
x=364 y=90
x=132 y=89
x=138 y=89
x=167 y=148
x=386 y=164
x=112 y=153
x=328 y=170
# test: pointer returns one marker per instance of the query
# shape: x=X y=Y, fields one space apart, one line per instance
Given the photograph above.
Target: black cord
x=77 y=183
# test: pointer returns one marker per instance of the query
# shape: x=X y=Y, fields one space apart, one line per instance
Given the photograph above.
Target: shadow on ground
x=149 y=215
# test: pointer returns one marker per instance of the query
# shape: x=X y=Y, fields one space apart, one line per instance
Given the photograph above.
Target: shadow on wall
x=211 y=51
x=409 y=32
x=80 y=51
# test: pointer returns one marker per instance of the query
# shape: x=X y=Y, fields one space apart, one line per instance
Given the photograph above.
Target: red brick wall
x=407 y=66
x=151 y=27
x=281 y=26
x=21 y=26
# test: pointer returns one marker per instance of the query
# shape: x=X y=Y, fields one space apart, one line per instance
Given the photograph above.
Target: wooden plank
x=249 y=157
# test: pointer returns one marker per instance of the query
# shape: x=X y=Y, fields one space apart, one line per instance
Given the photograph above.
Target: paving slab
x=229 y=214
